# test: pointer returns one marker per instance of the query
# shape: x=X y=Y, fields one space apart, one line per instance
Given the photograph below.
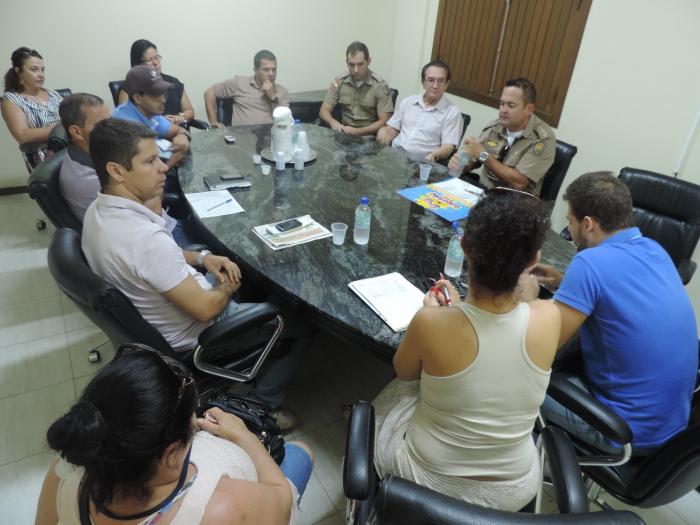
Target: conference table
x=314 y=277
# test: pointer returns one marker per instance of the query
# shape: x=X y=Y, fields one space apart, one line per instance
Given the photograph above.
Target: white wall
x=86 y=44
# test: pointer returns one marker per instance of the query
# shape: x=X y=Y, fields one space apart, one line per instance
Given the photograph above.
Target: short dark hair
x=527 y=87
x=71 y=109
x=115 y=140
x=357 y=47
x=603 y=197
x=119 y=439
x=435 y=63
x=501 y=237
x=261 y=55
x=18 y=58
x=138 y=48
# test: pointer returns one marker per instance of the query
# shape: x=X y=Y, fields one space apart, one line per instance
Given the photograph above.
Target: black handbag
x=255 y=415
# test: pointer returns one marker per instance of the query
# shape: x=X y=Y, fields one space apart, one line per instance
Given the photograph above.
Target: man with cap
x=363 y=95
x=146 y=89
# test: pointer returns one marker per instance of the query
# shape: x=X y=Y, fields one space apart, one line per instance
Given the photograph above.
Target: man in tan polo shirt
x=254 y=97
x=363 y=95
x=516 y=149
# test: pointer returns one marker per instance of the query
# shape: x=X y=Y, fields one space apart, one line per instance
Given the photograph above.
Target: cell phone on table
x=230 y=139
x=231 y=176
x=285 y=226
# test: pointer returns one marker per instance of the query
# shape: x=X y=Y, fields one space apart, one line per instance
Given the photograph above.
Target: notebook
x=215 y=182
x=391 y=297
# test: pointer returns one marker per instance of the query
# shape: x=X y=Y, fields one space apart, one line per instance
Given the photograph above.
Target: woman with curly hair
x=472 y=376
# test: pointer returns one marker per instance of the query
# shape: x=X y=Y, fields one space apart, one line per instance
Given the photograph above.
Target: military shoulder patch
x=538 y=148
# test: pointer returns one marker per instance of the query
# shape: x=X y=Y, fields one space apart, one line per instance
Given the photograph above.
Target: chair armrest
x=199 y=124
x=222 y=331
x=570 y=492
x=402 y=502
x=686 y=269
x=588 y=408
x=358 y=467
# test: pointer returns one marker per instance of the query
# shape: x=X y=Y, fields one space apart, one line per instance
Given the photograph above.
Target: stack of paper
x=213 y=203
x=391 y=297
x=309 y=231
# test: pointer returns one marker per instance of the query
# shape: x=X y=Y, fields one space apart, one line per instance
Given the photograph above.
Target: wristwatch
x=201 y=256
x=483 y=156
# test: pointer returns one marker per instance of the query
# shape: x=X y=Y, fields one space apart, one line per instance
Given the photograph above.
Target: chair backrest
x=102 y=302
x=306 y=111
x=64 y=92
x=665 y=209
x=466 y=119
x=555 y=175
x=114 y=87
x=394 y=95
x=224 y=111
x=58 y=138
x=44 y=189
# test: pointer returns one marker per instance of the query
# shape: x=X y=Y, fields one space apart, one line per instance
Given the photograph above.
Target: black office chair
x=555 y=175
x=667 y=210
x=106 y=306
x=224 y=111
x=306 y=111
x=399 y=501
x=466 y=120
x=43 y=188
x=643 y=481
x=115 y=87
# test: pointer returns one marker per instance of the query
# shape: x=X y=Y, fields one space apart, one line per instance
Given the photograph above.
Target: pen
x=220 y=204
x=445 y=292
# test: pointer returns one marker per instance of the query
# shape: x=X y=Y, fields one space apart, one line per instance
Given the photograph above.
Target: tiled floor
x=44 y=341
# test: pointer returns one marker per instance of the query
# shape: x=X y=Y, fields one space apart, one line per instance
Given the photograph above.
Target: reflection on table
x=404 y=237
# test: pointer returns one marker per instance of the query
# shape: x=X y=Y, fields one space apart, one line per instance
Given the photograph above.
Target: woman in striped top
x=30 y=111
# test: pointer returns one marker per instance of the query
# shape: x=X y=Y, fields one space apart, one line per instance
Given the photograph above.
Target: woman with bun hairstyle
x=132 y=452
x=472 y=374
x=29 y=110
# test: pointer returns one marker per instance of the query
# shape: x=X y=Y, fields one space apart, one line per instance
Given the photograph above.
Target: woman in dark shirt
x=178 y=107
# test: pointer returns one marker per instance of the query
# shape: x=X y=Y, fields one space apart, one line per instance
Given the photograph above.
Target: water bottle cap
x=364 y=200
x=297 y=121
x=455 y=225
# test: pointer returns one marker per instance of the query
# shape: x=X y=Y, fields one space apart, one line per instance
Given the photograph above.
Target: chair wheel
x=40 y=224
x=94 y=356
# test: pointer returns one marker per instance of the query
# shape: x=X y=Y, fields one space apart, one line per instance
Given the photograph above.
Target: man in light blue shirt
x=638 y=334
x=146 y=104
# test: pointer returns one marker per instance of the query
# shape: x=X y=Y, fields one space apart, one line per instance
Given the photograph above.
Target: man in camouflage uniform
x=517 y=149
x=363 y=95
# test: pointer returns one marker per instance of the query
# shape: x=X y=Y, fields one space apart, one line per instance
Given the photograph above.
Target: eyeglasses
x=153 y=60
x=186 y=381
x=438 y=81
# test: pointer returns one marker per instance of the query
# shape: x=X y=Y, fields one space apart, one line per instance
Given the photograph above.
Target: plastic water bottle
x=279 y=161
x=363 y=217
x=455 y=254
x=295 y=130
x=299 y=159
x=463 y=161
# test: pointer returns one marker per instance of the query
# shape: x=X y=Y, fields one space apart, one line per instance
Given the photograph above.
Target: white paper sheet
x=213 y=203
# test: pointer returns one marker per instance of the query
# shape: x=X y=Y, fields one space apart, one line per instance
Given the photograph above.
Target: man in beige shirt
x=254 y=97
x=517 y=149
x=363 y=95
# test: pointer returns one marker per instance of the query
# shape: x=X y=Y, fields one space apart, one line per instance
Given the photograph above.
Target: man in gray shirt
x=78 y=182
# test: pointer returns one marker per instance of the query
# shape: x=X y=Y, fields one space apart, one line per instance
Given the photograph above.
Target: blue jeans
x=562 y=417
x=180 y=236
x=297 y=466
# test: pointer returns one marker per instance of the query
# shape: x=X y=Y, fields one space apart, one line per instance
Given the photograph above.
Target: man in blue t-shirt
x=637 y=326
x=146 y=89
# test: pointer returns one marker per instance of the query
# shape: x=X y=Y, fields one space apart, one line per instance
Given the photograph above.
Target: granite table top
x=404 y=237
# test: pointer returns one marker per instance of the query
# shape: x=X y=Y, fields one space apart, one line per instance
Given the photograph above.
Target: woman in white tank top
x=471 y=377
